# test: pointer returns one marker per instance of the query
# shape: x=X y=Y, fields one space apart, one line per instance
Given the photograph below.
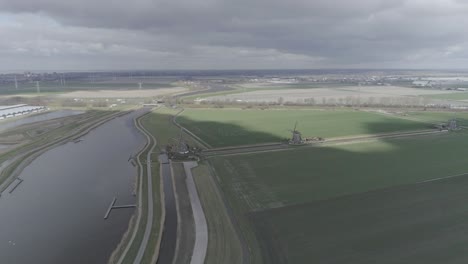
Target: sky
x=232 y=34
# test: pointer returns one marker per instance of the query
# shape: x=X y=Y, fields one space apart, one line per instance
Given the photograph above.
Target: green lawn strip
x=155 y=229
x=300 y=85
x=440 y=117
x=133 y=250
x=223 y=243
x=226 y=127
x=209 y=94
x=449 y=96
x=159 y=124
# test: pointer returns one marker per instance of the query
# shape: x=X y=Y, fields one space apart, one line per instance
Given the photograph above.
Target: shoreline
x=18 y=164
x=120 y=252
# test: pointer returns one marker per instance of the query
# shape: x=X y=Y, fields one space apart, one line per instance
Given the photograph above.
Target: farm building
x=18 y=110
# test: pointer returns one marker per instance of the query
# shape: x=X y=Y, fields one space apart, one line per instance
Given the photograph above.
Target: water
x=56 y=214
x=8 y=124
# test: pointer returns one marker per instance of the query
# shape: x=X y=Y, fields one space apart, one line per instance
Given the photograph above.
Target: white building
x=422 y=83
x=18 y=110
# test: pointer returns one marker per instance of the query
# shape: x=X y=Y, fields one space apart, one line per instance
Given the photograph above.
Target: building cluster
x=18 y=110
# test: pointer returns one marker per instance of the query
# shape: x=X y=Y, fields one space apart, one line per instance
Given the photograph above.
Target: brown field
x=375 y=94
x=123 y=93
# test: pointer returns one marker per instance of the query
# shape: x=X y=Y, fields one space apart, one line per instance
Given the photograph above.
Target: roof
x=12 y=110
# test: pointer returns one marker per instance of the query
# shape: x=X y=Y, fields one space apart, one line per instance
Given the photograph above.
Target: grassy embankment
x=223 y=244
x=157 y=123
x=150 y=251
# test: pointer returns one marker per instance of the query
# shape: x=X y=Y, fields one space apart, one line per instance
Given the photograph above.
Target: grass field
x=435 y=117
x=159 y=124
x=299 y=85
x=226 y=127
x=423 y=223
x=223 y=243
x=303 y=178
x=450 y=96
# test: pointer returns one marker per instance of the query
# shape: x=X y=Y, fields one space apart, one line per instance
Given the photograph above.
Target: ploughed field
x=372 y=202
x=350 y=95
x=228 y=127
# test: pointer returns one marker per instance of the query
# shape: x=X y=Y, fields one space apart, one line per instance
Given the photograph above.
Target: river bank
x=18 y=163
x=65 y=193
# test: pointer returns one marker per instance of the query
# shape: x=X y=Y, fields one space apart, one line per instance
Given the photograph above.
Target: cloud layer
x=214 y=34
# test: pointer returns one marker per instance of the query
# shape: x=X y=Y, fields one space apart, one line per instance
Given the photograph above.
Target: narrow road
x=201 y=227
x=239 y=150
x=149 y=219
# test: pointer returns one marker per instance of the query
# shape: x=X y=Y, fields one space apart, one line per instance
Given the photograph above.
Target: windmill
x=38 y=87
x=452 y=124
x=296 y=137
x=181 y=147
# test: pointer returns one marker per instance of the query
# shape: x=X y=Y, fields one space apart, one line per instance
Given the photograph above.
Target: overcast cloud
x=235 y=34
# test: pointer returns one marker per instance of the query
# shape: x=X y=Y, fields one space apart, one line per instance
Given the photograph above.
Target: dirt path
x=332 y=141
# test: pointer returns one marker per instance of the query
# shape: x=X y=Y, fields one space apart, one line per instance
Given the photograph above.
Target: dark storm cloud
x=210 y=33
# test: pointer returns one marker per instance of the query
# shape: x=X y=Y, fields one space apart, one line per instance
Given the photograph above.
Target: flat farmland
x=227 y=127
x=25 y=88
x=422 y=223
x=301 y=180
x=437 y=117
x=457 y=96
x=351 y=94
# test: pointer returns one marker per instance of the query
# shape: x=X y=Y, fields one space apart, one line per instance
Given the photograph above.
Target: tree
x=280 y=101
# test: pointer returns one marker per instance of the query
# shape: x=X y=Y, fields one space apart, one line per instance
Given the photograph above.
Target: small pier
x=113 y=206
x=18 y=181
x=132 y=160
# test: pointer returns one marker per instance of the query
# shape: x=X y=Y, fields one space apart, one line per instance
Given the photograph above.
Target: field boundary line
x=326 y=143
x=190 y=133
x=246 y=250
x=444 y=178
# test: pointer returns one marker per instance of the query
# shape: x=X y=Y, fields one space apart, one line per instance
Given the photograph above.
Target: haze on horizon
x=241 y=34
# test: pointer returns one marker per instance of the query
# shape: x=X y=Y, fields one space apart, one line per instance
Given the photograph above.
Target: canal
x=56 y=214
